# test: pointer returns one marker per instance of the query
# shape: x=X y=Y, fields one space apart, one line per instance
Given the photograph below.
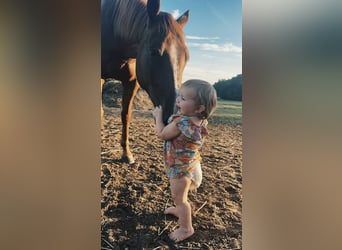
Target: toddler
x=183 y=136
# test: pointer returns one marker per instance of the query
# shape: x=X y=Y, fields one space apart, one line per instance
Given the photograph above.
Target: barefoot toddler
x=183 y=136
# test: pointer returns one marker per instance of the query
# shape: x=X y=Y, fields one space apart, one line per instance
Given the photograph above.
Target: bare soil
x=134 y=196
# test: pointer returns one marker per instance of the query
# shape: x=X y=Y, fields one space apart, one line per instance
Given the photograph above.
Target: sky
x=213 y=36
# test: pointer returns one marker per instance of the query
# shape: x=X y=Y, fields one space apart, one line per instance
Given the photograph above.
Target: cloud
x=175 y=13
x=228 y=47
x=208 y=74
x=202 y=38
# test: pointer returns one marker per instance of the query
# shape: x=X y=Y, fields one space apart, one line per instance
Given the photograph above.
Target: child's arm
x=164 y=132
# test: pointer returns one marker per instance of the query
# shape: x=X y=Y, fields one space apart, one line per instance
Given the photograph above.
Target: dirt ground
x=134 y=196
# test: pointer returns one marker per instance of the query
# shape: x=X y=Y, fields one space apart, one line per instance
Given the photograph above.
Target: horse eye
x=155 y=52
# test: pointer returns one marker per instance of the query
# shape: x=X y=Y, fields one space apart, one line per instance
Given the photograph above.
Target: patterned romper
x=181 y=154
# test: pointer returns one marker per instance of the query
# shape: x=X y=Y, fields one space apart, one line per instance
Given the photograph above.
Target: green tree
x=230 y=89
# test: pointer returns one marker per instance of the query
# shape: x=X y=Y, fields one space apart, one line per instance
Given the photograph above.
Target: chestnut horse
x=140 y=43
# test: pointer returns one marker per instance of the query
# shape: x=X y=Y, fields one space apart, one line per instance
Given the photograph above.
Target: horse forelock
x=177 y=44
x=168 y=24
x=176 y=48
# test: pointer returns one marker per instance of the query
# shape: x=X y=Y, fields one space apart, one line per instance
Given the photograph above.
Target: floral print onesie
x=181 y=153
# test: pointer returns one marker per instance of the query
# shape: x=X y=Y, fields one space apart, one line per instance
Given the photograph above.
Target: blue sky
x=213 y=35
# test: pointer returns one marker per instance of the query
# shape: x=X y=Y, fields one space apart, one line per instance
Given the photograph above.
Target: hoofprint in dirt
x=135 y=196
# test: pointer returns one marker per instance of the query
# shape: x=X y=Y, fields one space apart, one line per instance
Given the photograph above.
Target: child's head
x=197 y=97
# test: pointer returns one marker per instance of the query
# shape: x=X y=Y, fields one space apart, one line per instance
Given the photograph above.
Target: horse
x=142 y=47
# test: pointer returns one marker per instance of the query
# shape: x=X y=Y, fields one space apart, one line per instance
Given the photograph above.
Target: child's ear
x=200 y=109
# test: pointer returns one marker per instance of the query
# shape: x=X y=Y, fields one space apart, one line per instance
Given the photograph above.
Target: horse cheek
x=142 y=65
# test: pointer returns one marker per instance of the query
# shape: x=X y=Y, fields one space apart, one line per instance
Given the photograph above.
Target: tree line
x=230 y=89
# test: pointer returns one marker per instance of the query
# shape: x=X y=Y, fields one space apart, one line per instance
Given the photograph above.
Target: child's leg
x=179 y=190
x=171 y=210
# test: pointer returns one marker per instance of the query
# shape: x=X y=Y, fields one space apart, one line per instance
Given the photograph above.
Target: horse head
x=162 y=56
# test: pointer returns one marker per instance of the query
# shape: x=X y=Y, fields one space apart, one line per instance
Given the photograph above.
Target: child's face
x=185 y=102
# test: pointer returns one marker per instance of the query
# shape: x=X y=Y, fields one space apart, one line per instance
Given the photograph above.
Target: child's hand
x=157 y=112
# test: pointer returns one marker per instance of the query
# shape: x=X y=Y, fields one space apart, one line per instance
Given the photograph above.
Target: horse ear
x=183 y=19
x=153 y=8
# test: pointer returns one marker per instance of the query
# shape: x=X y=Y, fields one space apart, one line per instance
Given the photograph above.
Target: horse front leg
x=101 y=86
x=129 y=91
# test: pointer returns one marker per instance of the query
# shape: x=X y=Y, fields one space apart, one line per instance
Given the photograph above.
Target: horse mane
x=130 y=20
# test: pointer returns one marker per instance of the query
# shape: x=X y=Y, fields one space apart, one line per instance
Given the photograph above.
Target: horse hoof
x=128 y=159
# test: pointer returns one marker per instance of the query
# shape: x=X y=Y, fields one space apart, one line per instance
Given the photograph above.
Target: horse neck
x=130 y=19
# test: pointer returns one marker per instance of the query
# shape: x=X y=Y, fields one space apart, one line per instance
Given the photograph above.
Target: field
x=135 y=196
x=229 y=112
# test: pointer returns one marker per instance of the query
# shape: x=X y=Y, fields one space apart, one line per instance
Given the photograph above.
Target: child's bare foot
x=171 y=210
x=181 y=234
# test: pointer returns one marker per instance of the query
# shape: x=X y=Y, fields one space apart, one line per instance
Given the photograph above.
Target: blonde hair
x=205 y=95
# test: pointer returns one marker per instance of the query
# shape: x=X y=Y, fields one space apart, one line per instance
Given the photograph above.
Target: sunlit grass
x=229 y=112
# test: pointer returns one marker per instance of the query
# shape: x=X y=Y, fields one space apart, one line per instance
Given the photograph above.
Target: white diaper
x=196 y=174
